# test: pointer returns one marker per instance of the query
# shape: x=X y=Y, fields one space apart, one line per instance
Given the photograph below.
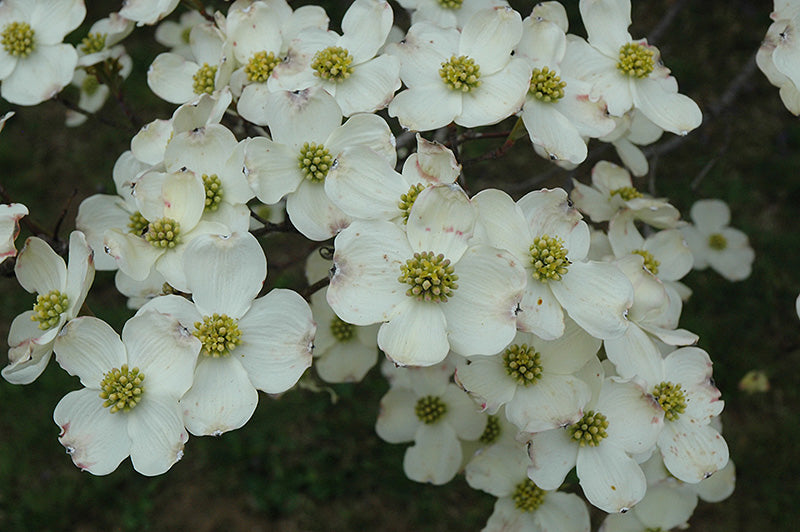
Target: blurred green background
x=303 y=463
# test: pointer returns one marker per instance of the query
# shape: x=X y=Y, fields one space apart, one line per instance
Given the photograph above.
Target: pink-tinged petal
x=485 y=377
x=221 y=397
x=611 y=480
x=482 y=313
x=463 y=414
x=370 y=87
x=692 y=451
x=551 y=402
x=364 y=288
x=96 y=439
x=277 y=336
x=671 y=111
x=553 y=454
x=271 y=169
x=397 y=422
x=489 y=36
x=435 y=456
x=134 y=255
x=89 y=348
x=634 y=417
x=634 y=353
x=568 y=353
x=240 y=267
x=346 y=362
x=498 y=469
x=562 y=511
x=164 y=350
x=314 y=214
x=433 y=163
x=416 y=335
x=364 y=185
x=554 y=132
x=540 y=312
x=607 y=23
x=441 y=220
x=39 y=269
x=367 y=130
x=503 y=222
x=41 y=75
x=365 y=25
x=171 y=78
x=157 y=435
x=597 y=295
x=301 y=116
x=9 y=223
x=426 y=107
x=499 y=96
x=30 y=349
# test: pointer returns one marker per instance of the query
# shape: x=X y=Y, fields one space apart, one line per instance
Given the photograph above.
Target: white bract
x=9 y=228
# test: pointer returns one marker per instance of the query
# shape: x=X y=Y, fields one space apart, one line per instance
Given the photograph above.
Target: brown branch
x=313 y=288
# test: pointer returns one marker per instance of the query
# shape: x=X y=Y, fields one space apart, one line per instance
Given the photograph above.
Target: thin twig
x=665 y=22
x=103 y=120
x=313 y=288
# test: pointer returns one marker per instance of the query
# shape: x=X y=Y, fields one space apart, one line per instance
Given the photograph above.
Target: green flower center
x=492 y=431
x=90 y=84
x=717 y=241
x=342 y=330
x=430 y=409
x=548 y=258
x=213 y=187
x=219 y=334
x=122 y=389
x=672 y=399
x=635 y=60
x=451 y=4
x=204 y=79
x=93 y=43
x=407 y=200
x=528 y=496
x=163 y=233
x=17 y=39
x=48 y=309
x=546 y=85
x=333 y=64
x=260 y=66
x=590 y=429
x=432 y=277
x=650 y=262
x=461 y=73
x=522 y=363
x=314 y=161
x=626 y=193
x=137 y=224
x=186 y=35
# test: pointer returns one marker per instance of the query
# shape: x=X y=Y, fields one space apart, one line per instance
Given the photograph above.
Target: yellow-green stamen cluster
x=48 y=308
x=635 y=60
x=717 y=241
x=626 y=193
x=204 y=79
x=672 y=399
x=137 y=224
x=213 y=187
x=548 y=258
x=590 y=429
x=522 y=363
x=90 y=85
x=93 y=43
x=528 y=496
x=334 y=63
x=314 y=161
x=432 y=277
x=17 y=39
x=451 y=4
x=650 y=262
x=407 y=200
x=260 y=66
x=461 y=73
x=492 y=431
x=122 y=389
x=186 y=35
x=342 y=330
x=430 y=409
x=219 y=334
x=546 y=85
x=163 y=233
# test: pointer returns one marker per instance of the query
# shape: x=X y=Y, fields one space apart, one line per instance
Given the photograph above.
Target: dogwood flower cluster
x=779 y=54
x=521 y=341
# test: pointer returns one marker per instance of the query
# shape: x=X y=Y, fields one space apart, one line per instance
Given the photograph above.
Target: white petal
x=157 y=434
x=89 y=348
x=673 y=112
x=570 y=352
x=667 y=506
x=416 y=335
x=271 y=169
x=552 y=131
x=503 y=222
x=313 y=213
x=551 y=402
x=691 y=451
x=611 y=480
x=96 y=214
x=497 y=469
x=301 y=116
x=553 y=454
x=367 y=130
x=565 y=511
x=370 y=87
x=134 y=255
x=41 y=75
x=634 y=417
x=426 y=107
x=346 y=362
x=365 y=25
x=607 y=23
x=499 y=96
x=436 y=455
x=39 y=269
x=485 y=377
x=634 y=353
x=463 y=414
x=489 y=36
x=397 y=422
x=441 y=220
x=171 y=78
